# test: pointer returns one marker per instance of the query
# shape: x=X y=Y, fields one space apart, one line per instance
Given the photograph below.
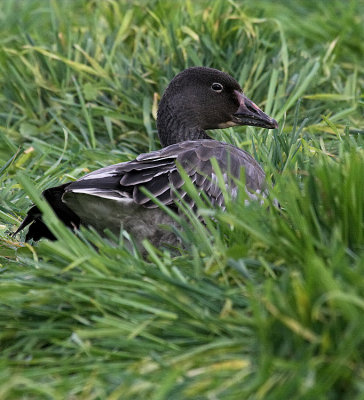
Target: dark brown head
x=198 y=99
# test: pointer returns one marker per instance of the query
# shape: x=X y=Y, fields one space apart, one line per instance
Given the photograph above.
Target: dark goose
x=196 y=100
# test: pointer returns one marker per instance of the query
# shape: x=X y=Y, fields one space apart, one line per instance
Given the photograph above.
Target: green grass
x=260 y=303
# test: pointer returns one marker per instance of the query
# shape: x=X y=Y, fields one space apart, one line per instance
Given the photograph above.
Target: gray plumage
x=112 y=197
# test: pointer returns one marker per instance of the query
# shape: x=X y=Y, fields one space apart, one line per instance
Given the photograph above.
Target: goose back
x=158 y=173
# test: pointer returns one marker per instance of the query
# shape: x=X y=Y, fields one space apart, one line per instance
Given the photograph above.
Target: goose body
x=112 y=198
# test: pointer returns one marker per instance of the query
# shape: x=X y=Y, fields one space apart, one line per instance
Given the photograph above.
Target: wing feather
x=158 y=173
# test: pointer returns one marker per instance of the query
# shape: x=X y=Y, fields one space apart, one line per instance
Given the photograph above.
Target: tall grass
x=259 y=303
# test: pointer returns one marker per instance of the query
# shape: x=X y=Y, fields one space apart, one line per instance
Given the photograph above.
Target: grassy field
x=258 y=304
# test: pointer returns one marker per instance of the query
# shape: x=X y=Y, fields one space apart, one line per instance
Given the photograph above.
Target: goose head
x=199 y=99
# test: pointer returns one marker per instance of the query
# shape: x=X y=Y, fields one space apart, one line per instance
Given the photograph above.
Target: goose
x=196 y=100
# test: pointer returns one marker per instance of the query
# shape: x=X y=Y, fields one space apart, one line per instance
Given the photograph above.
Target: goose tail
x=37 y=227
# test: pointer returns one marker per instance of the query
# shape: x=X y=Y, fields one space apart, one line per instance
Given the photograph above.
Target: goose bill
x=249 y=113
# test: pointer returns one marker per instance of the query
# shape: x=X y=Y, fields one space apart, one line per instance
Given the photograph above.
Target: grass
x=266 y=303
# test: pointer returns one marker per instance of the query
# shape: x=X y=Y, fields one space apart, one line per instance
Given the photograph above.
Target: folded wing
x=109 y=194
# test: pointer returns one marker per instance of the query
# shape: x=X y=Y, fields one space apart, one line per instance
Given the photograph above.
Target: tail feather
x=38 y=228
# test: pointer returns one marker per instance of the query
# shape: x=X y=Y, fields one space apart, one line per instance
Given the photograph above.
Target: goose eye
x=217 y=87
